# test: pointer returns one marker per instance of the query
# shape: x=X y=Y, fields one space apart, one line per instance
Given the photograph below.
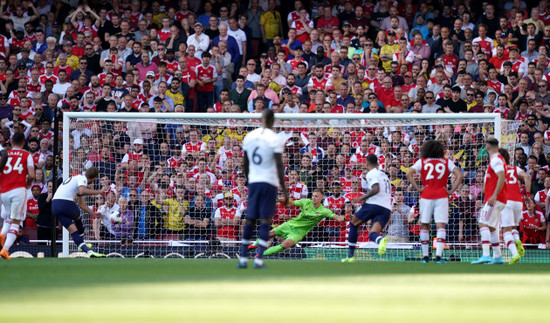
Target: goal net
x=168 y=173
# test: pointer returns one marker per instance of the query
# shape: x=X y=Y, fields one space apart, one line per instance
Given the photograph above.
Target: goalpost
x=310 y=152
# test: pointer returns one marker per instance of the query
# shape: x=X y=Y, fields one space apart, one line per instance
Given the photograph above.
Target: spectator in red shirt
x=385 y=92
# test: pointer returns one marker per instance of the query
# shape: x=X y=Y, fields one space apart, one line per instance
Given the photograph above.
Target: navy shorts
x=65 y=208
x=373 y=212
x=261 y=201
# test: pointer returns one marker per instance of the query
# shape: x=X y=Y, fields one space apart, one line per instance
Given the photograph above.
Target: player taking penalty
x=511 y=214
x=434 y=172
x=66 y=210
x=376 y=207
x=17 y=174
x=295 y=229
x=263 y=165
x=495 y=201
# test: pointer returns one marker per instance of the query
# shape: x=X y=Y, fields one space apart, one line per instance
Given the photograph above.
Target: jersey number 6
x=256 y=158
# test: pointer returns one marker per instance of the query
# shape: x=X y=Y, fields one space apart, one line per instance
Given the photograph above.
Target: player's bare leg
x=10 y=239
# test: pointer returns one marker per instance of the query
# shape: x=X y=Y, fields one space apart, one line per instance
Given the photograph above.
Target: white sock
x=509 y=241
x=424 y=240
x=258 y=261
x=485 y=241
x=11 y=236
x=6 y=226
x=441 y=233
x=495 y=244
x=515 y=234
x=243 y=260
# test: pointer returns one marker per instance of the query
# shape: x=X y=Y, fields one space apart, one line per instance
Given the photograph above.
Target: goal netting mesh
x=168 y=173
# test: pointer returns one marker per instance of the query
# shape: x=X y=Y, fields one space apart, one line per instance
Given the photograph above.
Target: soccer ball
x=115 y=217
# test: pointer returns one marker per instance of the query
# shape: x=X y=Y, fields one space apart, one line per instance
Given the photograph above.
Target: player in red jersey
x=495 y=201
x=17 y=174
x=511 y=215
x=434 y=172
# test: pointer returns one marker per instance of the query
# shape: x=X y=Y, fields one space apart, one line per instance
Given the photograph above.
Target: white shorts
x=15 y=203
x=511 y=215
x=439 y=208
x=490 y=215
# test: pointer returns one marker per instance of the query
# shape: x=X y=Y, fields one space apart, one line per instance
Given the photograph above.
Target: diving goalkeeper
x=295 y=229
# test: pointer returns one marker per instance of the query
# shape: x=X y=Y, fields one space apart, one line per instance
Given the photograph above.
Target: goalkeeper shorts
x=287 y=232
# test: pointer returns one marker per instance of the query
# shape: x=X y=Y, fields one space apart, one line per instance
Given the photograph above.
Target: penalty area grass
x=204 y=290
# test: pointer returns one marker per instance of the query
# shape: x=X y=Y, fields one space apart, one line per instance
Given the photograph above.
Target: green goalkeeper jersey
x=309 y=216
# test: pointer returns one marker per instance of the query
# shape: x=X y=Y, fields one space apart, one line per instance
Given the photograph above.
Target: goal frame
x=494 y=118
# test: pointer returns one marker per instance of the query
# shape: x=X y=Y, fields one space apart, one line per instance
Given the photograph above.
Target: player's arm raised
x=373 y=191
x=458 y=176
x=410 y=176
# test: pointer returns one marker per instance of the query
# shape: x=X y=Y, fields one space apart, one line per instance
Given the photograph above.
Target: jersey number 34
x=17 y=166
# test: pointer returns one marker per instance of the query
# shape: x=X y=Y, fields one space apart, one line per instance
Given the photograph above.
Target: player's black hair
x=18 y=139
x=504 y=153
x=92 y=172
x=268 y=117
x=493 y=142
x=372 y=160
x=432 y=149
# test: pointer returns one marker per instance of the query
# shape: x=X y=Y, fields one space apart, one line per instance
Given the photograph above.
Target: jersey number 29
x=17 y=166
x=439 y=169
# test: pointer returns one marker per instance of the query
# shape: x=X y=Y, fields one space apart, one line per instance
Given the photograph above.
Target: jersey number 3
x=17 y=166
x=513 y=179
x=439 y=169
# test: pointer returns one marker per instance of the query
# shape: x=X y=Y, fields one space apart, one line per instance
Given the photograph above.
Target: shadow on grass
x=54 y=273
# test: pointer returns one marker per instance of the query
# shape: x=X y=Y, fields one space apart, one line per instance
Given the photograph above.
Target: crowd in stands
x=332 y=56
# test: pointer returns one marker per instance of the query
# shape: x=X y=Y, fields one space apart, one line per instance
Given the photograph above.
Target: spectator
x=532 y=225
x=398 y=231
x=197 y=221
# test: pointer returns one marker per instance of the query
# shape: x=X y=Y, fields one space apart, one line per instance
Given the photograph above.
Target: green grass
x=170 y=290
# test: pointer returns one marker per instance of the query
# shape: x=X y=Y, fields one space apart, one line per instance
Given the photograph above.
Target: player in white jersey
x=67 y=211
x=377 y=207
x=263 y=165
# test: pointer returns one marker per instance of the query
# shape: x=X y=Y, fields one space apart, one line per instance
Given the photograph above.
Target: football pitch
x=186 y=290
